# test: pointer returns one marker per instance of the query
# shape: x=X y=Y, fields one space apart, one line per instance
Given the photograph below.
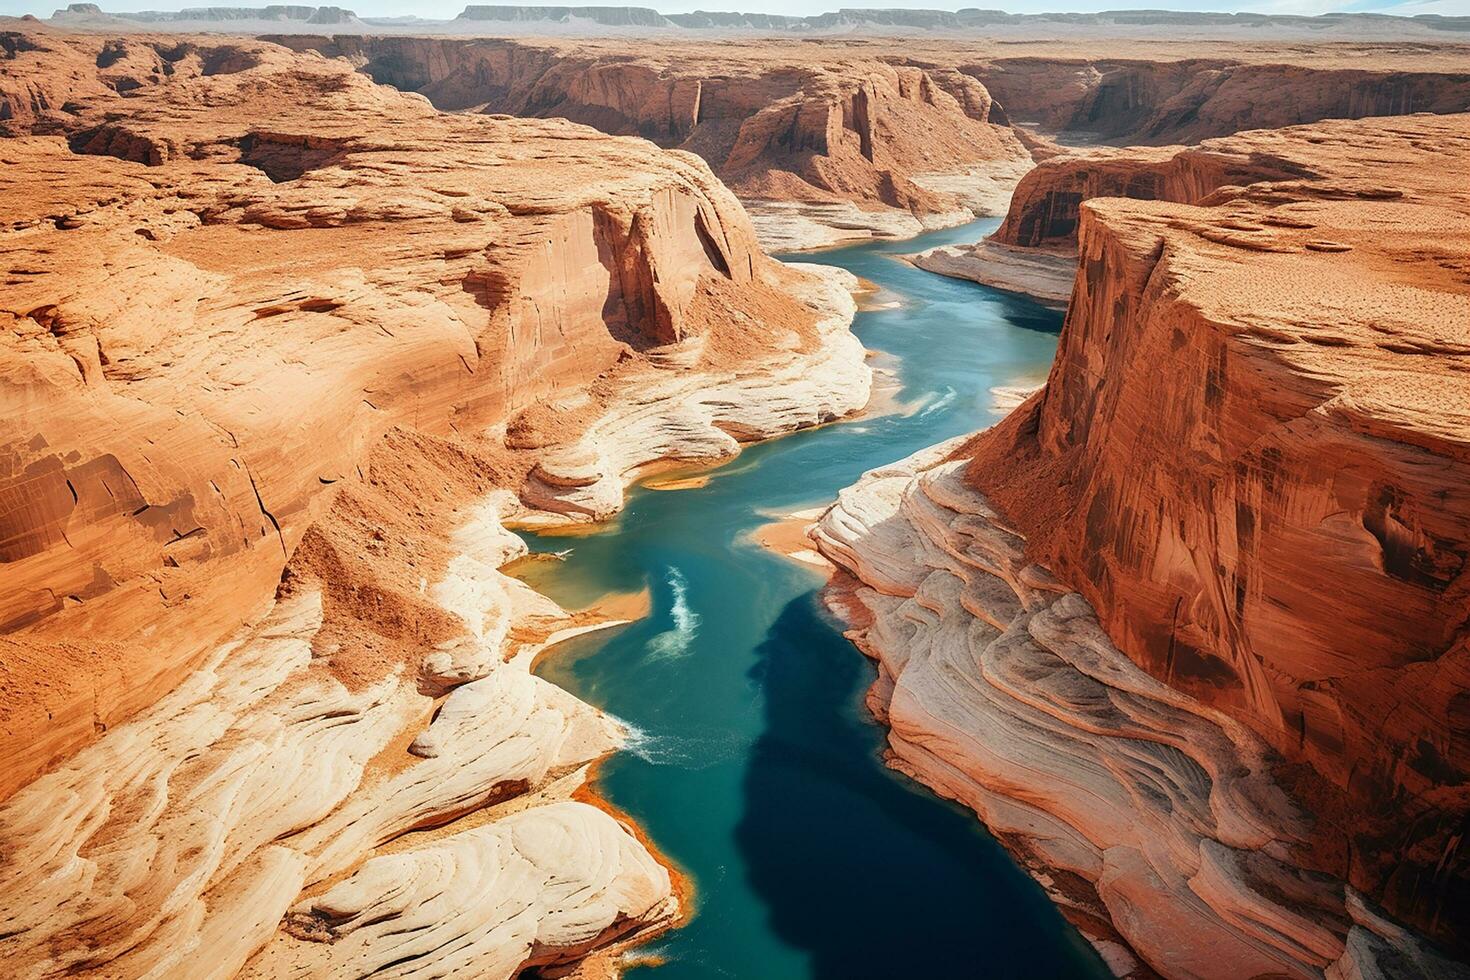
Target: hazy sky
x=448 y=8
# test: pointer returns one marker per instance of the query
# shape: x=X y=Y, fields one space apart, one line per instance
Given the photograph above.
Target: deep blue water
x=755 y=765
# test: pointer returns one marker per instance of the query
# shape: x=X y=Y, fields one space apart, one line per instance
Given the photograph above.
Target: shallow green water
x=755 y=765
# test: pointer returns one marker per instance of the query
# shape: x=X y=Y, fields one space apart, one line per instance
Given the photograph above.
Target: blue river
x=754 y=765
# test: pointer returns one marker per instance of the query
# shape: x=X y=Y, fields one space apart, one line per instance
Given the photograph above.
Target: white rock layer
x=1044 y=276
x=176 y=843
x=1132 y=803
x=800 y=226
x=694 y=416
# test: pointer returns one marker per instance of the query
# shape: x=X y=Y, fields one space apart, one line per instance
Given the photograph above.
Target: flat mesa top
x=1356 y=275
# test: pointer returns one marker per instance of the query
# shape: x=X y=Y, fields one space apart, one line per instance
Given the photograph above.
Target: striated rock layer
x=893 y=147
x=283 y=351
x=1188 y=628
x=1034 y=250
x=834 y=140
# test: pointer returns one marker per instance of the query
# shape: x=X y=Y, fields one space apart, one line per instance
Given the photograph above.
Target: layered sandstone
x=1137 y=101
x=1188 y=628
x=1034 y=250
x=272 y=381
x=862 y=145
x=830 y=141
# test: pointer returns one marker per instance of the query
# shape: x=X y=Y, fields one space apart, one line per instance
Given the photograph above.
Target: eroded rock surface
x=840 y=140
x=859 y=145
x=1034 y=250
x=1188 y=628
x=282 y=351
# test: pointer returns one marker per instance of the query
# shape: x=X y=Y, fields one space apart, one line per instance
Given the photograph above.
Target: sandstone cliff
x=832 y=140
x=1154 y=102
x=859 y=141
x=1034 y=250
x=1188 y=628
x=283 y=351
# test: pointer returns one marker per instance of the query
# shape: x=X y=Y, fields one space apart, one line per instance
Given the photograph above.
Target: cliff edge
x=283 y=353
x=1188 y=628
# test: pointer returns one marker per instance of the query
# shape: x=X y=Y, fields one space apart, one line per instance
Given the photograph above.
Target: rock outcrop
x=1034 y=250
x=1188 y=628
x=828 y=141
x=856 y=145
x=283 y=350
x=1157 y=102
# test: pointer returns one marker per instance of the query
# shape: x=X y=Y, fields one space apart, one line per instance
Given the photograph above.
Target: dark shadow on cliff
x=902 y=884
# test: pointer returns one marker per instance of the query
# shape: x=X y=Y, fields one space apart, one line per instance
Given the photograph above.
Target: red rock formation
x=1034 y=249
x=1296 y=554
x=282 y=350
x=365 y=259
x=775 y=121
x=823 y=126
x=1154 y=102
x=1047 y=205
x=1251 y=461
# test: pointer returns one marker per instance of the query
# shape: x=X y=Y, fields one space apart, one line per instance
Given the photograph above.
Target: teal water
x=755 y=765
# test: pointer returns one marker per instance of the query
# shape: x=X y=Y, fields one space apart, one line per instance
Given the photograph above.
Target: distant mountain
x=515 y=19
x=274 y=14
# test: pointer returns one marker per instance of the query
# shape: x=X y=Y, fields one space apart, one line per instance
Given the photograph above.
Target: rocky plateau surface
x=1147 y=104
x=1188 y=629
x=822 y=145
x=282 y=353
x=829 y=141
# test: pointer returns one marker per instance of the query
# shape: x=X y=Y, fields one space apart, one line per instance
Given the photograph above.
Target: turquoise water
x=755 y=765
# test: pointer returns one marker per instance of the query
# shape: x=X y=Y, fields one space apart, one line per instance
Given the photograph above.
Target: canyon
x=307 y=335
x=273 y=384
x=833 y=141
x=1225 y=686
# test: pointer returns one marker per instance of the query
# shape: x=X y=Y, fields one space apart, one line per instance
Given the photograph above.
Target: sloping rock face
x=1145 y=102
x=879 y=138
x=774 y=121
x=1188 y=628
x=282 y=352
x=1047 y=207
x=1034 y=249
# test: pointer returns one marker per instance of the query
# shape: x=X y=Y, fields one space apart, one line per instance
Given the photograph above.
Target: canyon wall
x=1034 y=250
x=855 y=134
x=283 y=352
x=1189 y=628
x=776 y=123
x=1185 y=102
x=1155 y=102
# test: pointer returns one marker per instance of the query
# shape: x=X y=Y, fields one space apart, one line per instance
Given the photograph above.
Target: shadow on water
x=873 y=877
x=1026 y=314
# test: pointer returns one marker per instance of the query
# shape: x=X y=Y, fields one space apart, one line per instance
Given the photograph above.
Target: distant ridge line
x=91 y=14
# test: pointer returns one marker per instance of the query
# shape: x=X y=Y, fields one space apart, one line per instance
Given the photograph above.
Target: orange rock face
x=1047 y=206
x=1143 y=101
x=214 y=309
x=856 y=120
x=1251 y=457
x=775 y=120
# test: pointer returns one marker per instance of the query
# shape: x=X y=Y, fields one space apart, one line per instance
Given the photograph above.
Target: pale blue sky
x=448 y=8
